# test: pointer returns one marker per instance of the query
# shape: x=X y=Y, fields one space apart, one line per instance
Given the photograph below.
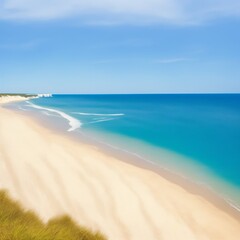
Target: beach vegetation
x=18 y=224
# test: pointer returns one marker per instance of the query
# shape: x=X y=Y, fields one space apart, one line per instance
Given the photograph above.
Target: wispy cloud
x=108 y=12
x=172 y=60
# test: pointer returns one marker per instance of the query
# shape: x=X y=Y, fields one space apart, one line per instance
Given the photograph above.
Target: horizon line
x=170 y=93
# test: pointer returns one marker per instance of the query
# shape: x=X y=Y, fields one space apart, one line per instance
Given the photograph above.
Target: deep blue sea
x=195 y=134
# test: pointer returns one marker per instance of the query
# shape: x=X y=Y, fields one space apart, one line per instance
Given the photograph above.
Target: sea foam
x=99 y=114
x=103 y=120
x=73 y=122
x=100 y=117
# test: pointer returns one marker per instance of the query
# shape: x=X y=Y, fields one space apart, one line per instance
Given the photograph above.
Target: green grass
x=18 y=224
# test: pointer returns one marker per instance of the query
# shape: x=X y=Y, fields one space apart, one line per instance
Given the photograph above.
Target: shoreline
x=130 y=158
x=182 y=181
x=134 y=175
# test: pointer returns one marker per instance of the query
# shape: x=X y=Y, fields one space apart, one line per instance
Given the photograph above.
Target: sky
x=120 y=46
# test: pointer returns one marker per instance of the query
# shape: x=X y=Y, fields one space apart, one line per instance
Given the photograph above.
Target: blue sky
x=105 y=46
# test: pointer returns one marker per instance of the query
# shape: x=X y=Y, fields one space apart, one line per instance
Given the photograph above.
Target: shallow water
x=199 y=135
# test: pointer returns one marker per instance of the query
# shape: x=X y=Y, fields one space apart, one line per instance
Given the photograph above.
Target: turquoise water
x=203 y=129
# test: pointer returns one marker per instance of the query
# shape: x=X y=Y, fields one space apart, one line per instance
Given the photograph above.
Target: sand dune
x=54 y=175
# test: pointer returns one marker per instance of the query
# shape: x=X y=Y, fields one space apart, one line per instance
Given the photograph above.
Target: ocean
x=194 y=135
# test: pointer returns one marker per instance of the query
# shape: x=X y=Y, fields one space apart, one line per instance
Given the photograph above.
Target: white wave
x=102 y=120
x=99 y=114
x=73 y=122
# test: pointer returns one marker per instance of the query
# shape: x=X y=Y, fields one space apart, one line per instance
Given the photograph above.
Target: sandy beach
x=7 y=99
x=53 y=175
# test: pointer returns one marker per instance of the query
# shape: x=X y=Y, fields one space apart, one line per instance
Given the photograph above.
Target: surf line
x=73 y=122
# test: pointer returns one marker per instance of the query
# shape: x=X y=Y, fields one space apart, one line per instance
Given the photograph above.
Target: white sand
x=7 y=99
x=53 y=175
